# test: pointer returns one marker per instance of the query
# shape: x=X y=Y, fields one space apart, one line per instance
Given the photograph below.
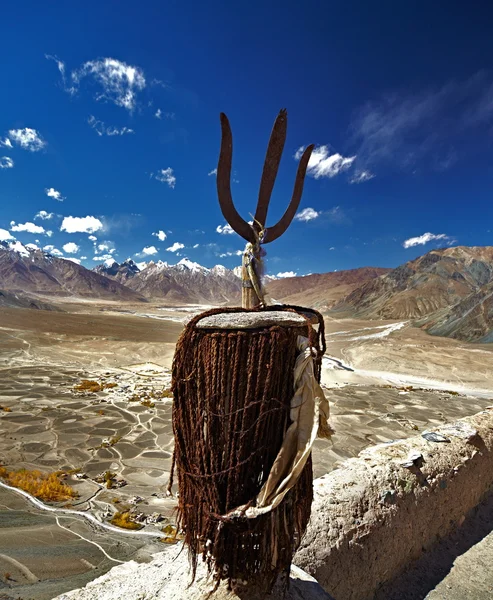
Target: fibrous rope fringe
x=232 y=392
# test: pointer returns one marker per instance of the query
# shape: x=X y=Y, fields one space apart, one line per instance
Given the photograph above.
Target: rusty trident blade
x=271 y=167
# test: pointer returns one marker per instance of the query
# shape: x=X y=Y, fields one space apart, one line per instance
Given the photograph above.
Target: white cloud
x=6 y=162
x=81 y=224
x=115 y=131
x=83 y=257
x=32 y=246
x=73 y=259
x=71 y=248
x=120 y=82
x=5 y=235
x=101 y=128
x=170 y=115
x=149 y=251
x=225 y=229
x=52 y=250
x=106 y=246
x=55 y=194
x=337 y=215
x=213 y=172
x=6 y=142
x=166 y=176
x=235 y=253
x=104 y=257
x=175 y=247
x=401 y=128
x=29 y=227
x=286 y=274
x=195 y=246
x=424 y=239
x=361 y=176
x=27 y=138
x=43 y=214
x=160 y=235
x=307 y=214
x=93 y=238
x=324 y=164
x=60 y=64
x=158 y=114
x=404 y=129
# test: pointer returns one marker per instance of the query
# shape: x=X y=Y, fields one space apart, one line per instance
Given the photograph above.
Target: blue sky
x=111 y=111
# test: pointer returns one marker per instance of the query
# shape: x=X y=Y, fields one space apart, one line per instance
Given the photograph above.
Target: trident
x=257 y=233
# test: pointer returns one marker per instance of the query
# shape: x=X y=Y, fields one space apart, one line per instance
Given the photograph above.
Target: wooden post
x=232 y=395
x=229 y=364
x=249 y=298
x=251 y=268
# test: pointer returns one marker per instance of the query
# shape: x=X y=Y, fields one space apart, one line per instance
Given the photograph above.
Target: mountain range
x=321 y=290
x=186 y=281
x=448 y=291
x=31 y=270
x=437 y=280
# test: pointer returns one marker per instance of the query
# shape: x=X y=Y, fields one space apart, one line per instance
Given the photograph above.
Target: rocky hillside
x=438 y=280
x=35 y=271
x=118 y=272
x=18 y=300
x=470 y=320
x=186 y=282
x=321 y=290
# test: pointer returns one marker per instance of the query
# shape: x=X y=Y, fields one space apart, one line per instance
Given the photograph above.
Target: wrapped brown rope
x=232 y=392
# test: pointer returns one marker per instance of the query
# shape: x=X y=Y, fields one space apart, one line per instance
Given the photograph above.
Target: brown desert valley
x=85 y=392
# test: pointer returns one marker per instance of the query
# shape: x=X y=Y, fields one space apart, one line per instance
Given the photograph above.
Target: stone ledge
x=167 y=577
x=373 y=516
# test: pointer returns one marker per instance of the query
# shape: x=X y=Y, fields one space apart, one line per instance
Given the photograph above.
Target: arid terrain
x=384 y=379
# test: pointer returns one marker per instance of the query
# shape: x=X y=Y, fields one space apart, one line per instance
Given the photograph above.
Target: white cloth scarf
x=309 y=418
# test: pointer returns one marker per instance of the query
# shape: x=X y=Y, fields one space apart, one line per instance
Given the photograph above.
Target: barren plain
x=384 y=381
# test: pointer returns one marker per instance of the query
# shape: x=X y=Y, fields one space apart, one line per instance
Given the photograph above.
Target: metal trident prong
x=271 y=166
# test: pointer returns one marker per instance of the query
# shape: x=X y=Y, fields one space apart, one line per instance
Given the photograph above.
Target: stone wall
x=382 y=510
x=370 y=519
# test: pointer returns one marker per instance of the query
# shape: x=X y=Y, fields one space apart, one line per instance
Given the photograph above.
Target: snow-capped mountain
x=119 y=272
x=29 y=269
x=187 y=281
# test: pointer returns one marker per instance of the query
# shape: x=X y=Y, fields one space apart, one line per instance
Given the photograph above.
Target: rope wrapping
x=232 y=391
x=253 y=266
